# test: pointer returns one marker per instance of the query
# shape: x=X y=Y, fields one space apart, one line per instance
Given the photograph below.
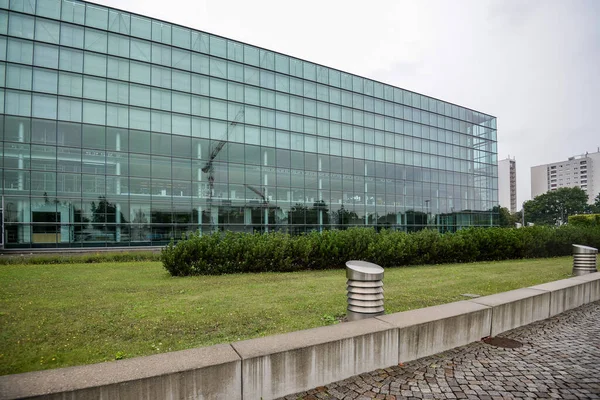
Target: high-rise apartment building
x=118 y=129
x=507 y=184
x=581 y=171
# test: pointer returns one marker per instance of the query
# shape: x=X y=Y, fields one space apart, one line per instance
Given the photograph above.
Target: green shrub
x=232 y=252
x=74 y=258
x=584 y=220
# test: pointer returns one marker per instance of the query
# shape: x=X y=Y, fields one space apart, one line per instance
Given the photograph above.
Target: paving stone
x=560 y=359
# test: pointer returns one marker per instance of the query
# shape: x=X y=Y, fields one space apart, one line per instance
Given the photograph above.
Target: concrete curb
x=516 y=308
x=207 y=372
x=431 y=330
x=279 y=365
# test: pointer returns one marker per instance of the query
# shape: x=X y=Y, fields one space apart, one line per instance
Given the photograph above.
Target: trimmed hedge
x=585 y=220
x=73 y=258
x=242 y=252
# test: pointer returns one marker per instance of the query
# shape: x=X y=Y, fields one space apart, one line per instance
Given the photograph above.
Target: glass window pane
x=45 y=55
x=44 y=106
x=69 y=109
x=181 y=103
x=200 y=64
x=181 y=81
x=181 y=59
x=218 y=68
x=94 y=113
x=117 y=116
x=296 y=67
x=235 y=51
x=71 y=60
x=161 y=77
x=161 y=32
x=18 y=77
x=181 y=125
x=161 y=54
x=94 y=137
x=94 y=64
x=48 y=8
x=119 y=21
x=3 y=22
x=139 y=72
x=69 y=134
x=161 y=99
x=118 y=68
x=70 y=84
x=139 y=142
x=251 y=55
x=26 y=6
x=218 y=88
x=161 y=121
x=21 y=26
x=94 y=88
x=141 y=27
x=139 y=118
x=181 y=37
x=71 y=35
x=73 y=11
x=200 y=42
x=96 y=40
x=140 y=95
x=47 y=31
x=96 y=16
x=45 y=81
x=18 y=103
x=218 y=46
x=267 y=59
x=20 y=51
x=141 y=50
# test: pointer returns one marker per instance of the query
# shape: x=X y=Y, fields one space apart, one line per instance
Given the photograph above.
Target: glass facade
x=119 y=130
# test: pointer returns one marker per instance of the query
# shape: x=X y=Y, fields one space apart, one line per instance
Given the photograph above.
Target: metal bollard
x=365 y=290
x=584 y=260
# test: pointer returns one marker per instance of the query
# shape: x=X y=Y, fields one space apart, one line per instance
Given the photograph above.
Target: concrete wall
x=516 y=308
x=204 y=373
x=279 y=365
x=431 y=330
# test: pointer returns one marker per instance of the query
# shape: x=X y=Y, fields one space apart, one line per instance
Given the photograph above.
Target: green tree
x=595 y=208
x=505 y=218
x=105 y=212
x=554 y=207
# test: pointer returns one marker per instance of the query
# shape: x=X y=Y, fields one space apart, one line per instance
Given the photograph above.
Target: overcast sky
x=533 y=64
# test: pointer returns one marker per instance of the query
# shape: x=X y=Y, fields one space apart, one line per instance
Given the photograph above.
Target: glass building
x=120 y=130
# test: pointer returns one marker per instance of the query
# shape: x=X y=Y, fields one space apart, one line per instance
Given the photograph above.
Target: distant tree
x=554 y=207
x=312 y=214
x=595 y=208
x=343 y=217
x=518 y=216
x=505 y=218
x=105 y=211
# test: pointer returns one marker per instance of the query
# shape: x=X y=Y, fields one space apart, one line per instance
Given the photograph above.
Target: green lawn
x=60 y=315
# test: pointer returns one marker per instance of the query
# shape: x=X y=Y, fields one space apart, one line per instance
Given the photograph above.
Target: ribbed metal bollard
x=584 y=260
x=365 y=290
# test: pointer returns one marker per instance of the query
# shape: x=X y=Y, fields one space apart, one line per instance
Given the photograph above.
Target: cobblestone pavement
x=560 y=358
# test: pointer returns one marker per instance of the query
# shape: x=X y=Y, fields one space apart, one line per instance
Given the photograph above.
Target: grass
x=61 y=315
x=74 y=258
